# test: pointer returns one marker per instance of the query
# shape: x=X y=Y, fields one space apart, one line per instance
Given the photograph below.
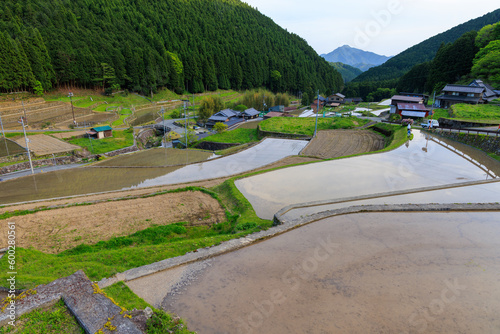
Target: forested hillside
x=397 y=66
x=142 y=45
x=348 y=72
x=475 y=55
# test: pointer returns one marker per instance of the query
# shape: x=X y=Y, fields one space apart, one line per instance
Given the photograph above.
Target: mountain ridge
x=354 y=57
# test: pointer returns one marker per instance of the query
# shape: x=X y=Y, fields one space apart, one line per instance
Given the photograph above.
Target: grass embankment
x=305 y=126
x=241 y=136
x=395 y=135
x=12 y=148
x=482 y=112
x=106 y=258
x=120 y=139
x=160 y=322
x=53 y=320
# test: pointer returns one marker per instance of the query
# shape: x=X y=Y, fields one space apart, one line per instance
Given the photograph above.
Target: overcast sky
x=385 y=27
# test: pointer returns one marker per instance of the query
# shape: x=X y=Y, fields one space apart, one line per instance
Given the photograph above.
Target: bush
x=407 y=121
x=395 y=117
x=246 y=226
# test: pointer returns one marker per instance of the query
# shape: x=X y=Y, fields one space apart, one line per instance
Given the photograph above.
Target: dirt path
x=338 y=143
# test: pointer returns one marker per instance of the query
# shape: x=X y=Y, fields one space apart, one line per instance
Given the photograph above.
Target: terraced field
x=331 y=144
x=157 y=157
x=11 y=148
x=43 y=145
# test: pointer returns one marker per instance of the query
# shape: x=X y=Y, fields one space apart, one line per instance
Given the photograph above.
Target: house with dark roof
x=101 y=132
x=453 y=94
x=490 y=93
x=226 y=116
x=412 y=110
x=250 y=113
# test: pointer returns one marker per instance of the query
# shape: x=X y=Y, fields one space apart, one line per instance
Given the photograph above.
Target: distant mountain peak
x=355 y=57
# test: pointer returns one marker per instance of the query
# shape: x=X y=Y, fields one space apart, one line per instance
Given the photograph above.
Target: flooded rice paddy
x=92 y=180
x=425 y=162
x=157 y=157
x=361 y=273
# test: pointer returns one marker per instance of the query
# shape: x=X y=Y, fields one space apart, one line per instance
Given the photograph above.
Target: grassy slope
x=53 y=320
x=305 y=126
x=120 y=139
x=481 y=112
x=241 y=136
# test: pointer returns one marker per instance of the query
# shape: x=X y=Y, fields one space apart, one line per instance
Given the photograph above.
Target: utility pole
x=72 y=108
x=317 y=112
x=185 y=123
x=4 y=138
x=27 y=146
x=24 y=109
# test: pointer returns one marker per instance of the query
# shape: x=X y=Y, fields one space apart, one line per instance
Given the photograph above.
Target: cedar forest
x=143 y=45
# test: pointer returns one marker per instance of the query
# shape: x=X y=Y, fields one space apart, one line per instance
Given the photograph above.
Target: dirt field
x=338 y=143
x=43 y=145
x=60 y=229
x=69 y=134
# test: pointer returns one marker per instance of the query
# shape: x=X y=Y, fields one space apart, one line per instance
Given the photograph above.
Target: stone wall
x=37 y=163
x=454 y=124
x=489 y=144
x=122 y=151
x=263 y=133
x=213 y=146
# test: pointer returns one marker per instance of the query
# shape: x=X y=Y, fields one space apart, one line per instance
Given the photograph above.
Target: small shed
x=101 y=132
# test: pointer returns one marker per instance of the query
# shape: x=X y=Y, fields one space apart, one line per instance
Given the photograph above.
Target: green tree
x=487 y=63
x=191 y=138
x=209 y=105
x=305 y=99
x=220 y=127
x=38 y=88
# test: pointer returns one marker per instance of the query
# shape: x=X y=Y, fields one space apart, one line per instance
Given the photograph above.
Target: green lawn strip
x=494 y=156
x=305 y=126
x=479 y=112
x=240 y=136
x=55 y=319
x=120 y=139
x=439 y=113
x=120 y=121
x=160 y=322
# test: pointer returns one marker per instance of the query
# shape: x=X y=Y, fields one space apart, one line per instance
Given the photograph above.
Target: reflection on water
x=73 y=182
x=424 y=163
x=362 y=273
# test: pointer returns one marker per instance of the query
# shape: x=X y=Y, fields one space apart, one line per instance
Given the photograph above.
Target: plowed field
x=43 y=145
x=338 y=143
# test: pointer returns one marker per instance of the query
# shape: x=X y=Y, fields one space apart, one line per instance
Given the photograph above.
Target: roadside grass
x=120 y=139
x=395 y=135
x=481 y=112
x=240 y=136
x=440 y=113
x=305 y=126
x=55 y=319
x=494 y=156
x=124 y=297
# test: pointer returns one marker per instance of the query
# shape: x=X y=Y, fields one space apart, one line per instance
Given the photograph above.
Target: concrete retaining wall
x=213 y=146
x=454 y=124
x=488 y=144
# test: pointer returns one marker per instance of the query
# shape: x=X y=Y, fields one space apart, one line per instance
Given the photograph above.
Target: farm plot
x=157 y=157
x=43 y=145
x=331 y=144
x=11 y=148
